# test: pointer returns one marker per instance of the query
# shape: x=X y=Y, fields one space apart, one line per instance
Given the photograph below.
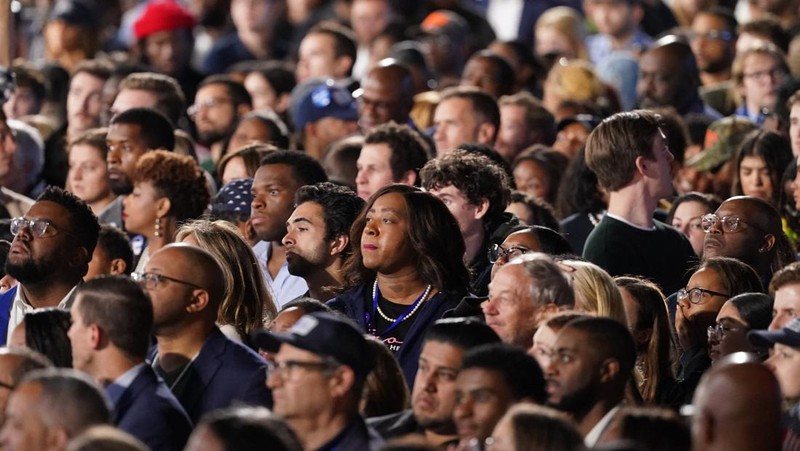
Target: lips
x=424 y=402
x=19 y=247
x=369 y=247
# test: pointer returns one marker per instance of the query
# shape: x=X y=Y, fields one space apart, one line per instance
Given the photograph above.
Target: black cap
x=75 y=12
x=789 y=336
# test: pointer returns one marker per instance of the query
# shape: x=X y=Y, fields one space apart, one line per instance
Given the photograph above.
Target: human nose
x=370 y=229
x=463 y=407
x=288 y=239
x=488 y=307
x=114 y=156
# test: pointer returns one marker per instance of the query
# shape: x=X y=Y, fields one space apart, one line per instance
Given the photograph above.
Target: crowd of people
x=385 y=225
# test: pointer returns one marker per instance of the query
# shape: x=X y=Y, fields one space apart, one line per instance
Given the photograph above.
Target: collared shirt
x=21 y=306
x=597 y=431
x=115 y=389
x=284 y=287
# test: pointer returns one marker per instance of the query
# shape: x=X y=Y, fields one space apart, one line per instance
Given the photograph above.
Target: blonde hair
x=595 y=291
x=247 y=304
x=569 y=24
x=577 y=80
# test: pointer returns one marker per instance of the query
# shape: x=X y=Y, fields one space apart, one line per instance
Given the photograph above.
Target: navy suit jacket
x=6 y=301
x=148 y=411
x=223 y=374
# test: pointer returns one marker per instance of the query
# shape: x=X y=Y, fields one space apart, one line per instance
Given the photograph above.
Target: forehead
x=709 y=21
x=477 y=377
x=390 y=201
x=571 y=338
x=735 y=207
x=166 y=258
x=509 y=276
x=788 y=295
x=122 y=132
x=380 y=152
x=289 y=352
x=442 y=354
x=760 y=59
x=522 y=238
x=85 y=79
x=319 y=41
x=310 y=210
x=46 y=209
x=272 y=173
x=212 y=90
x=134 y=98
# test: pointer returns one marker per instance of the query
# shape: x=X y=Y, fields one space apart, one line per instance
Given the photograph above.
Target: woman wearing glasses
x=406 y=270
x=168 y=189
x=741 y=314
x=714 y=281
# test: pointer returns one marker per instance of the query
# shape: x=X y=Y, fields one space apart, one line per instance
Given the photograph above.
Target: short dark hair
x=521 y=372
x=541 y=213
x=754 y=308
x=340 y=206
x=609 y=338
x=121 y=308
x=484 y=105
x=550 y=241
x=46 y=332
x=409 y=150
x=787 y=275
x=465 y=333
x=114 y=243
x=278 y=73
x=278 y=131
x=551 y=162
x=711 y=202
x=170 y=98
x=305 y=169
x=237 y=91
x=156 y=130
x=27 y=76
x=502 y=72
x=476 y=176
x=83 y=222
x=725 y=14
x=97 y=68
x=344 y=40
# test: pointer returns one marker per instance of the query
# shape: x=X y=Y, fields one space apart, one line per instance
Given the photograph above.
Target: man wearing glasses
x=218 y=105
x=49 y=256
x=204 y=369
x=317 y=378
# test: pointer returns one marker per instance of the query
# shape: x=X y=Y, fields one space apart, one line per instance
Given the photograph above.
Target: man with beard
x=586 y=378
x=433 y=398
x=713 y=41
x=218 y=105
x=131 y=134
x=49 y=256
x=317 y=237
x=275 y=183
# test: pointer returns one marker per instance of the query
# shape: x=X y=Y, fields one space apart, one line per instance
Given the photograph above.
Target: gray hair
x=550 y=284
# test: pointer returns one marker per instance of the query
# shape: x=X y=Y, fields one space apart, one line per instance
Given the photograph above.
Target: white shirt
x=504 y=17
x=594 y=435
x=21 y=306
x=284 y=287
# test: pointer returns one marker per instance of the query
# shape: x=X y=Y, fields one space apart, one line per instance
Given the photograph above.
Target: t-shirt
x=394 y=338
x=662 y=255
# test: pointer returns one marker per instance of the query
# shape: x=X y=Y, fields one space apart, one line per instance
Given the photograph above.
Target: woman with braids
x=406 y=270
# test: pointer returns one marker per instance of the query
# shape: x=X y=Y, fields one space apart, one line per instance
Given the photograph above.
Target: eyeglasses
x=730 y=224
x=287 y=368
x=496 y=252
x=40 y=228
x=711 y=35
x=205 y=105
x=762 y=75
x=151 y=280
x=695 y=295
x=719 y=331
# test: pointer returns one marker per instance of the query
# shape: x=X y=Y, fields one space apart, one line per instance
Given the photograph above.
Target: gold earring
x=158 y=227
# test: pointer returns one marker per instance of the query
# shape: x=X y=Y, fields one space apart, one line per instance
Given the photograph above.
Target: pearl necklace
x=422 y=298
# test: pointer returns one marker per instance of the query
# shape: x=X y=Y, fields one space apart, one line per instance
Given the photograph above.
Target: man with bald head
x=737 y=406
x=387 y=94
x=748 y=229
x=204 y=369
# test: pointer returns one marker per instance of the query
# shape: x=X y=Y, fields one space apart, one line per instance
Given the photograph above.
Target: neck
x=316 y=431
x=754 y=106
x=183 y=341
x=257 y=43
x=589 y=419
x=46 y=294
x=113 y=366
x=709 y=79
x=324 y=284
x=474 y=243
x=631 y=204
x=99 y=205
x=403 y=287
x=154 y=242
x=312 y=148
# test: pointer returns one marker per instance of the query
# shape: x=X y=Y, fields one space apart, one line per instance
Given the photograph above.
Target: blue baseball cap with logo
x=318 y=98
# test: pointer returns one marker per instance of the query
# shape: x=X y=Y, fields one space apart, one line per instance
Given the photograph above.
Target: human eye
x=517 y=250
x=564 y=358
x=448 y=375
x=274 y=192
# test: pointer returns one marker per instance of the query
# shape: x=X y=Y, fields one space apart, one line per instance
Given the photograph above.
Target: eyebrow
x=301 y=219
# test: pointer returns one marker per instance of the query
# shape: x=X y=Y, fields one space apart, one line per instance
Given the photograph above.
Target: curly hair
x=434 y=237
x=178 y=178
x=476 y=176
x=340 y=205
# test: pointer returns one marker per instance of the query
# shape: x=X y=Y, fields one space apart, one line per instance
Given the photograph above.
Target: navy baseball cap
x=320 y=98
x=789 y=336
x=326 y=335
x=233 y=198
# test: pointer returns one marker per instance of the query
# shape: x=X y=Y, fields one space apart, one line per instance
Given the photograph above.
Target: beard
x=27 y=271
x=121 y=186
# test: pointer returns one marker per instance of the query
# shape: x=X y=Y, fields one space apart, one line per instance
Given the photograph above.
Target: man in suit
x=112 y=320
x=204 y=369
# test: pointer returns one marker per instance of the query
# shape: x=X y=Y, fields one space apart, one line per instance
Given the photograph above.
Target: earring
x=158 y=227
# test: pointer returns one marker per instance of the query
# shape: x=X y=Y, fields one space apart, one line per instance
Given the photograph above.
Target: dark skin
x=388 y=90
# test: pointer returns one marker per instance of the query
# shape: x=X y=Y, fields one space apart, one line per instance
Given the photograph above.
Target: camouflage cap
x=722 y=139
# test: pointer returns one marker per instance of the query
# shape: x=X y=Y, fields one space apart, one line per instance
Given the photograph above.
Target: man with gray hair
x=521 y=293
x=51 y=406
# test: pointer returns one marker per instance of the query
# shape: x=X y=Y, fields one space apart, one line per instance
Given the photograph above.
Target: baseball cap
x=326 y=335
x=789 y=335
x=444 y=22
x=161 y=16
x=320 y=98
x=233 y=198
x=587 y=120
x=75 y=12
x=722 y=139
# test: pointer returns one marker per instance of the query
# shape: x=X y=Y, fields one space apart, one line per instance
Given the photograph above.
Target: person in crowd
x=29 y=92
x=490 y=73
x=218 y=105
x=649 y=323
x=293 y=311
x=532 y=211
x=602 y=351
x=327 y=50
x=49 y=407
x=711 y=284
x=523 y=123
x=317 y=123
x=258 y=126
x=158 y=92
x=618 y=28
x=686 y=215
x=391 y=153
x=737 y=406
x=15 y=363
x=270 y=84
x=275 y=184
x=113 y=254
x=784 y=288
x=168 y=189
x=529 y=427
x=45 y=331
x=317 y=239
x=49 y=256
x=653 y=428
x=433 y=393
x=321 y=402
x=476 y=191
x=522 y=293
x=247 y=305
x=243 y=429
x=402 y=275
x=387 y=93
x=538 y=170
x=739 y=314
x=232 y=204
x=204 y=369
x=628 y=152
x=713 y=41
x=759 y=165
x=88 y=176
x=595 y=291
x=580 y=202
x=465 y=115
x=112 y=319
x=242 y=163
x=385 y=389
x=572 y=132
x=757 y=73
x=492 y=378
